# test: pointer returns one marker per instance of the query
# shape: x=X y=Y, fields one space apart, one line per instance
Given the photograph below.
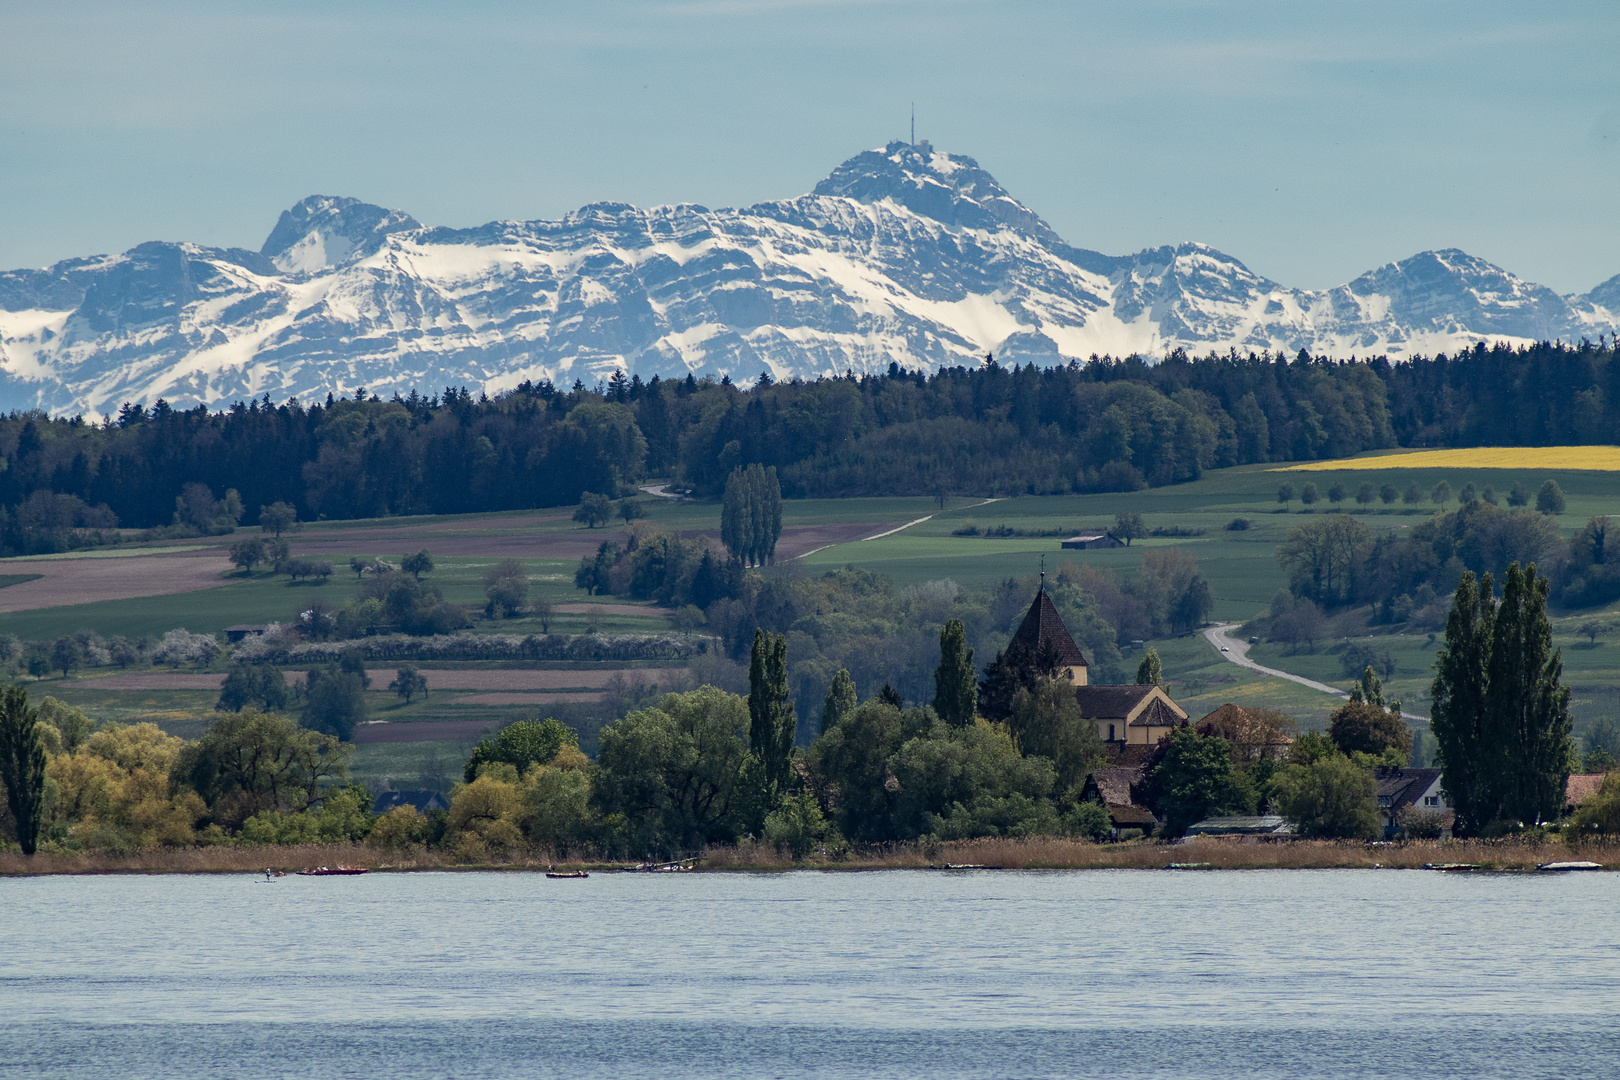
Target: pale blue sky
x=1313 y=141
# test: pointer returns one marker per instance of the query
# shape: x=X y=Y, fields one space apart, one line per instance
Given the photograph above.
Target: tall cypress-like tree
x=736 y=516
x=772 y=722
x=840 y=701
x=22 y=765
x=1461 y=686
x=1526 y=719
x=751 y=513
x=956 y=686
x=1150 y=672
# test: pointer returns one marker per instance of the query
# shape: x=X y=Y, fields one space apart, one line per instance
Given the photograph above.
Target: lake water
x=1110 y=974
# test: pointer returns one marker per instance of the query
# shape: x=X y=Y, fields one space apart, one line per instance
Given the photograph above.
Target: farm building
x=425 y=801
x=1263 y=825
x=1092 y=540
x=1114 y=789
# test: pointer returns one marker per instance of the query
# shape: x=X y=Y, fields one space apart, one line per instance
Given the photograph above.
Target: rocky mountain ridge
x=903 y=254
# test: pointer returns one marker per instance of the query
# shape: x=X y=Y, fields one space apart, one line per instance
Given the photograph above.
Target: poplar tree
x=1526 y=718
x=956 y=686
x=22 y=765
x=1461 y=683
x=772 y=723
x=751 y=513
x=840 y=701
x=1149 y=672
x=1500 y=714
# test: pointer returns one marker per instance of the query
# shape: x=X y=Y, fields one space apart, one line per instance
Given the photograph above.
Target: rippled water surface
x=980 y=974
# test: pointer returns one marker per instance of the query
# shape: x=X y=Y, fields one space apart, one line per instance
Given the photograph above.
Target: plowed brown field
x=84 y=581
x=437 y=679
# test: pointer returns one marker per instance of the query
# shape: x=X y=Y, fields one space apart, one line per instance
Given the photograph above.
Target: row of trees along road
x=1500 y=714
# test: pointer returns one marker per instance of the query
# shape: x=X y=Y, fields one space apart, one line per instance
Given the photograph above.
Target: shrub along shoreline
x=1000 y=853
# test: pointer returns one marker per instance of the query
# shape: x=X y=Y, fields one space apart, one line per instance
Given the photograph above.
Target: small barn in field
x=1086 y=540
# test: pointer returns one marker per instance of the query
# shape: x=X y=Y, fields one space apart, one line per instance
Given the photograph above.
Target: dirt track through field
x=614 y=609
x=538 y=700
x=437 y=679
x=85 y=581
x=439 y=731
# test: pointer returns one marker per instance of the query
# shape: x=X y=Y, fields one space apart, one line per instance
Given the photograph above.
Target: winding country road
x=1237 y=651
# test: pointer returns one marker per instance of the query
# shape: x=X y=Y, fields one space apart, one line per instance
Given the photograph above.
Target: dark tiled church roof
x=1110 y=702
x=1043 y=624
x=1158 y=714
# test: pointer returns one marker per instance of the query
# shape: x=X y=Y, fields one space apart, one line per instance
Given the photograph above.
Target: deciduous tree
x=593 y=510
x=1128 y=526
x=408 y=682
x=1330 y=798
x=506 y=584
x=1321 y=557
x=246 y=554
x=1194 y=779
x=522 y=744
x=277 y=518
x=418 y=564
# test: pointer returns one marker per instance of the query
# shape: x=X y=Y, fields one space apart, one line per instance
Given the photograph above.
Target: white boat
x=1566 y=867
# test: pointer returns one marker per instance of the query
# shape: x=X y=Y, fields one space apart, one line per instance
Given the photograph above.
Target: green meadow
x=1241 y=566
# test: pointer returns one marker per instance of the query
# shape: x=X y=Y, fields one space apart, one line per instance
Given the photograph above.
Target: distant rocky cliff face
x=904 y=255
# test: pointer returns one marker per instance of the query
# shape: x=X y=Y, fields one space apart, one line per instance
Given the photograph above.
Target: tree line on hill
x=992 y=430
x=1334 y=561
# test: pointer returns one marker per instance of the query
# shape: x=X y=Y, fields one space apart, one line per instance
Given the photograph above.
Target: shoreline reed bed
x=1006 y=853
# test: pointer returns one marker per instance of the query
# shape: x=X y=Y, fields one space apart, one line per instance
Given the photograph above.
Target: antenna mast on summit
x=913 y=123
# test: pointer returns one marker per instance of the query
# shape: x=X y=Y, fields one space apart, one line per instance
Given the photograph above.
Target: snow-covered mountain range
x=904 y=254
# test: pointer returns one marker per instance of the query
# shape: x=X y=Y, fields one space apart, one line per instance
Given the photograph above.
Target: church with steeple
x=1125 y=714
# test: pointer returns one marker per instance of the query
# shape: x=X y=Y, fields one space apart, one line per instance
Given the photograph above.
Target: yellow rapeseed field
x=1587 y=458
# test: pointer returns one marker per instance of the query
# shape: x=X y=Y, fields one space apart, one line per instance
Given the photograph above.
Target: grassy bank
x=1035 y=853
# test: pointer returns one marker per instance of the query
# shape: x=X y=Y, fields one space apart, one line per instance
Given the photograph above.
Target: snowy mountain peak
x=904 y=254
x=322 y=231
x=949 y=188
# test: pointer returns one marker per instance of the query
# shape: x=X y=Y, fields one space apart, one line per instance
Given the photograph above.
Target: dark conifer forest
x=1104 y=425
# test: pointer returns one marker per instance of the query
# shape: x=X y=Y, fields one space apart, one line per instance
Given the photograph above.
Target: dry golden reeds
x=1011 y=853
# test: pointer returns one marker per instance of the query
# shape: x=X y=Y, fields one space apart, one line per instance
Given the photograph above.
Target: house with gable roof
x=1399 y=788
x=1115 y=789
